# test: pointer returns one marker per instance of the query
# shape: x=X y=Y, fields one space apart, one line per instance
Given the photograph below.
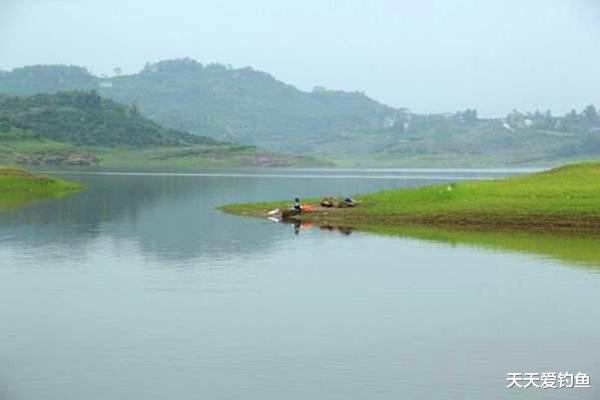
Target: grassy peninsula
x=561 y=199
x=18 y=187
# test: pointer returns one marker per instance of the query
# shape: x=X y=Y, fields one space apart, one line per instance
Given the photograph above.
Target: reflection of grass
x=18 y=187
x=583 y=250
x=578 y=249
x=562 y=199
x=535 y=214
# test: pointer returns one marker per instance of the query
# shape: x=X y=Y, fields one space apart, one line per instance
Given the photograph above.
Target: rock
x=329 y=201
x=71 y=159
x=82 y=160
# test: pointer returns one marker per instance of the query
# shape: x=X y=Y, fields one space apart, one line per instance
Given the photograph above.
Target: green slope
x=82 y=128
x=240 y=105
x=86 y=119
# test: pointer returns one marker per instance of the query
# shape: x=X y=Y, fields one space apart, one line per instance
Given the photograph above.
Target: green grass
x=30 y=144
x=185 y=157
x=450 y=161
x=12 y=147
x=565 y=190
x=34 y=145
x=565 y=198
x=198 y=156
x=18 y=187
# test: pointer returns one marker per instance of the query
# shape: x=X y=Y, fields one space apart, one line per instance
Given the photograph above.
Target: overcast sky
x=427 y=55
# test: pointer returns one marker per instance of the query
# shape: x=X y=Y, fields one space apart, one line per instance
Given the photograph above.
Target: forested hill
x=86 y=119
x=241 y=105
x=46 y=79
x=81 y=128
x=253 y=108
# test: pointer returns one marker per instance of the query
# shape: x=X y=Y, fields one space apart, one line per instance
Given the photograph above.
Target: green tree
x=4 y=124
x=591 y=113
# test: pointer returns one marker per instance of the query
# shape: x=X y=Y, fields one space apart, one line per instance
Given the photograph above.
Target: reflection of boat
x=286 y=216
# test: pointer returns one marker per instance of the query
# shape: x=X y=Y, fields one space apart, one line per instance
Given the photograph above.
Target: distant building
x=507 y=126
x=389 y=122
x=106 y=84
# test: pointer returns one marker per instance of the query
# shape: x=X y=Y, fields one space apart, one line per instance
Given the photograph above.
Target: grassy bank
x=194 y=157
x=47 y=153
x=18 y=187
x=565 y=199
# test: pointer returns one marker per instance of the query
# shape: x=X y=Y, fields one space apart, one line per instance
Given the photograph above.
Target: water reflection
x=299 y=227
x=580 y=250
x=572 y=249
x=140 y=288
x=174 y=216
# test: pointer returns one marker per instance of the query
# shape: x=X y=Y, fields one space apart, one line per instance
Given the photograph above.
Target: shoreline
x=348 y=219
x=19 y=188
x=565 y=199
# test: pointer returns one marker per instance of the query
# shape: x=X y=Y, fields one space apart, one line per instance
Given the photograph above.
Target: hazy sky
x=428 y=55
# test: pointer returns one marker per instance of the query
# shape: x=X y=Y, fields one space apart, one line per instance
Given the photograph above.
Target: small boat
x=282 y=214
x=286 y=214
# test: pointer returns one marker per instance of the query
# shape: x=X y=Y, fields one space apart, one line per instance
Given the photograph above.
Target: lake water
x=138 y=288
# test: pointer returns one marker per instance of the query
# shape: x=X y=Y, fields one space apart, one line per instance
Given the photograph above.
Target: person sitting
x=296 y=206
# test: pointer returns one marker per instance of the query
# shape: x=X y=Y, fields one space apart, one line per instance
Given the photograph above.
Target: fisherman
x=296 y=206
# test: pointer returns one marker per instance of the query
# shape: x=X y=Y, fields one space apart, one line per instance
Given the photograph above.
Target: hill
x=241 y=105
x=86 y=119
x=251 y=107
x=82 y=128
x=46 y=79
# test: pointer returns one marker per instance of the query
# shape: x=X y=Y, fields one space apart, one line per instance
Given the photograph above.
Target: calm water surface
x=137 y=288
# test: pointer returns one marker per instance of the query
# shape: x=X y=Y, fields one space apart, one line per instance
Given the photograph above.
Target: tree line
x=85 y=118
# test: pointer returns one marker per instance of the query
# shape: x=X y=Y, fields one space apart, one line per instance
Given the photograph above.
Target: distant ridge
x=241 y=105
x=250 y=107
